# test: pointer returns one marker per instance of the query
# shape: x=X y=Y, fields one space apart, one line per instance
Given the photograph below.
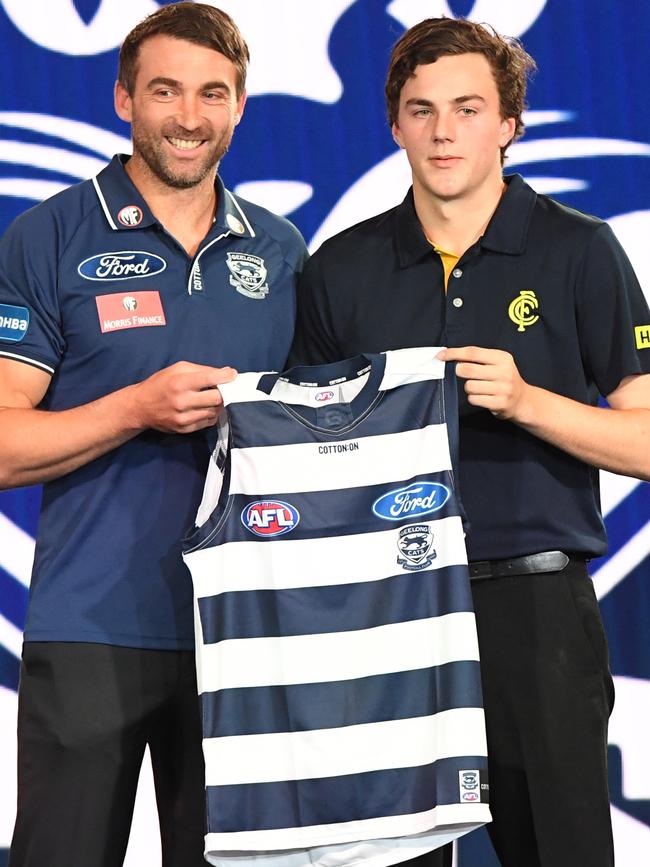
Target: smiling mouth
x=185 y=144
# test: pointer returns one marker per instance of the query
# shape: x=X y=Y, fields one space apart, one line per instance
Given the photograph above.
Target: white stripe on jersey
x=279 y=564
x=378 y=852
x=246 y=662
x=267 y=469
x=412 y=365
x=356 y=749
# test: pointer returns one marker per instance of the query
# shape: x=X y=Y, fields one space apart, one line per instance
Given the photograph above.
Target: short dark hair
x=433 y=38
x=194 y=22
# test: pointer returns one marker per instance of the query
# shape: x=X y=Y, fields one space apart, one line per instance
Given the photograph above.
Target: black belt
x=531 y=564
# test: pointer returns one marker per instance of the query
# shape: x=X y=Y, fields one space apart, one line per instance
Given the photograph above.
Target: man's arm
x=615 y=438
x=39 y=445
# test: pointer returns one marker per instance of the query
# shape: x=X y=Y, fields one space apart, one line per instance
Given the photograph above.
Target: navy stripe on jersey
x=338 y=505
x=405 y=694
x=335 y=608
x=323 y=801
x=249 y=432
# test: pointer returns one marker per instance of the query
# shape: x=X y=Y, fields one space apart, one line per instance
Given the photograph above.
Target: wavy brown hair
x=194 y=22
x=439 y=37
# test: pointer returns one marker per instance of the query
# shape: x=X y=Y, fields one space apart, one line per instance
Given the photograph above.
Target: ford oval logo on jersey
x=122 y=265
x=270 y=518
x=418 y=499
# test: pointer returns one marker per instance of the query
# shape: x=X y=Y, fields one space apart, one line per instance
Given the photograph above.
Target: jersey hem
x=137 y=643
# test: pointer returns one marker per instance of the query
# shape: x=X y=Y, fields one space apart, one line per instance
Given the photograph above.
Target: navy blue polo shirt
x=94 y=291
x=546 y=283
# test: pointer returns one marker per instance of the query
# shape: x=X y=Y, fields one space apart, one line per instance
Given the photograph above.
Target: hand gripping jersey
x=336 y=645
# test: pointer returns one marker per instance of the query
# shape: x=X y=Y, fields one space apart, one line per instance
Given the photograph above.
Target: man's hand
x=492 y=380
x=181 y=398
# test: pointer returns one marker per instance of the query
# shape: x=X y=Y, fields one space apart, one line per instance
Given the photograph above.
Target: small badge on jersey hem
x=14 y=322
x=123 y=310
x=248 y=274
x=130 y=216
x=418 y=499
x=270 y=518
x=642 y=336
x=415 y=544
x=473 y=787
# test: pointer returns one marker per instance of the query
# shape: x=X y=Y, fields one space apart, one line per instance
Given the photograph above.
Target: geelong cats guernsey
x=336 y=644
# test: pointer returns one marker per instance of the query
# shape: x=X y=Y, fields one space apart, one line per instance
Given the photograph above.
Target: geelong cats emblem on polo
x=248 y=274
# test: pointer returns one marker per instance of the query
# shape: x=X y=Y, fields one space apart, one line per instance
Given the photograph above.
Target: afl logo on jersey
x=270 y=518
x=323 y=396
x=418 y=499
x=130 y=216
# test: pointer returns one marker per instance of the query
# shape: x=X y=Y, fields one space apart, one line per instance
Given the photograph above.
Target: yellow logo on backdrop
x=642 y=334
x=521 y=309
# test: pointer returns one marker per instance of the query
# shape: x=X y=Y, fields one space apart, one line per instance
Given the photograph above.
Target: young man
x=124 y=297
x=541 y=312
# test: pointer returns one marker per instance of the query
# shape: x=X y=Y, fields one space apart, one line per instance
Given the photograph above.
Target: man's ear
x=397 y=135
x=239 y=111
x=122 y=102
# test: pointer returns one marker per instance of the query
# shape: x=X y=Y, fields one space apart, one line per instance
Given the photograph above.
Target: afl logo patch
x=323 y=396
x=270 y=518
x=248 y=275
x=130 y=216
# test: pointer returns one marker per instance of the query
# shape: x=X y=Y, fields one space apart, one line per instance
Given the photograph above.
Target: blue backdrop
x=314 y=145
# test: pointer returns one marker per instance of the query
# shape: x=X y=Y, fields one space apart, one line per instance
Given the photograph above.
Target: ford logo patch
x=420 y=498
x=270 y=518
x=122 y=265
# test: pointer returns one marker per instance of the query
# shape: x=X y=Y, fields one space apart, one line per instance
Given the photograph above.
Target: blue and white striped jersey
x=337 y=652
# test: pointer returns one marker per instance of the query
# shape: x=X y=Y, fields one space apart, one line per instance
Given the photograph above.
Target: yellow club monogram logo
x=521 y=310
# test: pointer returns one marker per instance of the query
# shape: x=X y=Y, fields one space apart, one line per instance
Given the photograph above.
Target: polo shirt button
x=457 y=302
x=457 y=272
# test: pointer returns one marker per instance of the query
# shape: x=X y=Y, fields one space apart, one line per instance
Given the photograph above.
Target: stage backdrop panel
x=314 y=145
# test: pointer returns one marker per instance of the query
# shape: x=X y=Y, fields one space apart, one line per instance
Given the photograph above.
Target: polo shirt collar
x=125 y=209
x=231 y=216
x=410 y=241
x=506 y=232
x=123 y=206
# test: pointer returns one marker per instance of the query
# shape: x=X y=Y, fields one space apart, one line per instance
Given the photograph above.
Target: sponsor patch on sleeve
x=123 y=310
x=14 y=322
x=642 y=335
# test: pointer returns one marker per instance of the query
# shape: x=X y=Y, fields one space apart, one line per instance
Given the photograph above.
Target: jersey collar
x=125 y=209
x=507 y=231
x=123 y=206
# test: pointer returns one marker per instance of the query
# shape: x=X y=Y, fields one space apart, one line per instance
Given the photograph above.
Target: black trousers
x=85 y=714
x=548 y=694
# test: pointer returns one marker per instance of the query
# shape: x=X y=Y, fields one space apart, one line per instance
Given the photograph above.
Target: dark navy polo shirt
x=94 y=291
x=546 y=283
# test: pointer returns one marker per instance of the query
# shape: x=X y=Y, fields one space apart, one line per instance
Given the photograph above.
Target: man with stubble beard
x=129 y=298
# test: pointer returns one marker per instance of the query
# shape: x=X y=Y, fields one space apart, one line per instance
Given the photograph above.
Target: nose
x=443 y=127
x=189 y=116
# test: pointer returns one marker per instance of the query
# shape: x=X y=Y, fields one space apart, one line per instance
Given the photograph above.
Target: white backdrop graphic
x=314 y=145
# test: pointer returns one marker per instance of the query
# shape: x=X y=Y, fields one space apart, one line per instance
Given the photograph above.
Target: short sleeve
x=30 y=319
x=613 y=315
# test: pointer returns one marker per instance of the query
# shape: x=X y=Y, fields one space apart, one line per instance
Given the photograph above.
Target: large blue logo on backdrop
x=314 y=145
